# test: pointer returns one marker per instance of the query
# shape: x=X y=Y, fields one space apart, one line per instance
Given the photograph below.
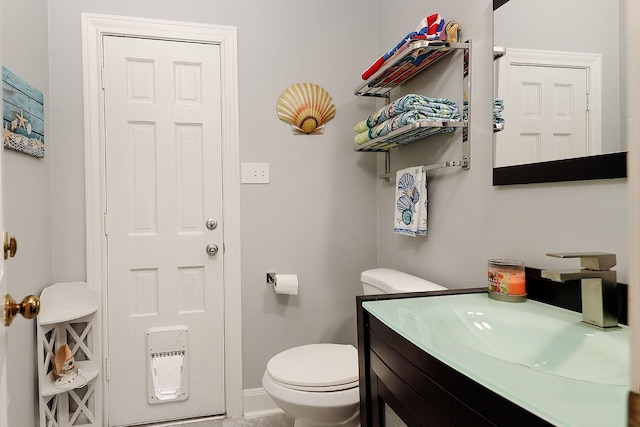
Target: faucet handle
x=590 y=260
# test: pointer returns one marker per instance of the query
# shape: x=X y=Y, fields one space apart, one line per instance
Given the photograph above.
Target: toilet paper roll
x=286 y=284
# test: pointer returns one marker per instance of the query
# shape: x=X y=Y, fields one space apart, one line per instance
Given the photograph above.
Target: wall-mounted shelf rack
x=408 y=134
x=400 y=68
x=407 y=63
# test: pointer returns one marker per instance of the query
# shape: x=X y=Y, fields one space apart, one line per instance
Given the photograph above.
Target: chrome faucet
x=598 y=286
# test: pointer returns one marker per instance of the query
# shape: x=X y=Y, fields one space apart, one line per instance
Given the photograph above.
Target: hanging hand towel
x=410 y=216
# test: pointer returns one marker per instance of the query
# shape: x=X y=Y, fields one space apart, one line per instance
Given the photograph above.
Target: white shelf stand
x=68 y=315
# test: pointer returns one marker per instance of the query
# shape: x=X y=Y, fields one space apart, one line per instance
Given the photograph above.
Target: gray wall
x=469 y=220
x=325 y=214
x=314 y=218
x=554 y=25
x=27 y=202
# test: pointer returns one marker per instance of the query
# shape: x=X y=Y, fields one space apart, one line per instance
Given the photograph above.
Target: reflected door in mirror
x=571 y=26
x=552 y=106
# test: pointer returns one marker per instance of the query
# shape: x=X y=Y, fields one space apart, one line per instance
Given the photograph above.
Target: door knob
x=10 y=246
x=212 y=249
x=212 y=224
x=29 y=308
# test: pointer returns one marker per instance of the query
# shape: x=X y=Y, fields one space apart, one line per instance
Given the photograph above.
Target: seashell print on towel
x=409 y=197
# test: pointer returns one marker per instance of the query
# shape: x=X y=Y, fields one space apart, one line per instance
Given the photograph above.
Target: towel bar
x=464 y=163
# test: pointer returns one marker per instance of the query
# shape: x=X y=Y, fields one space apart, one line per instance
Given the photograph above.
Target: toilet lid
x=316 y=365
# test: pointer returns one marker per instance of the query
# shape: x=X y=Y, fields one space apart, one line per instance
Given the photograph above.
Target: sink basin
x=538 y=356
x=535 y=335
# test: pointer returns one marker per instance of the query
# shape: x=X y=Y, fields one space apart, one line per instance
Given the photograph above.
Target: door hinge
x=102 y=77
x=106 y=369
x=106 y=224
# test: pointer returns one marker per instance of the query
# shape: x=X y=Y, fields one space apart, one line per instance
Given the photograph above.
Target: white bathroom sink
x=535 y=335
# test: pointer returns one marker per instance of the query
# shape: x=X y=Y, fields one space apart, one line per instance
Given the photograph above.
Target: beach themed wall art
x=22 y=115
x=307 y=107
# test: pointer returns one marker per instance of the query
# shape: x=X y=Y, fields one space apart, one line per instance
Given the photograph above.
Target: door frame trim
x=94 y=27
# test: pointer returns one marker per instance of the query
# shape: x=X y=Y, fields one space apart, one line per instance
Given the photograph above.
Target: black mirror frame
x=603 y=166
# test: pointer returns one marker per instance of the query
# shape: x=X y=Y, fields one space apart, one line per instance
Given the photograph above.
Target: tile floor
x=275 y=420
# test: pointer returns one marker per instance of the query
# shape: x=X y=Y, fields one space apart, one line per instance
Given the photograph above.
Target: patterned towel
x=410 y=218
x=498 y=108
x=442 y=107
x=429 y=28
x=404 y=119
x=410 y=65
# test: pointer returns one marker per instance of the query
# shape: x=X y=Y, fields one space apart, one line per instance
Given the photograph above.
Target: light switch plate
x=255 y=173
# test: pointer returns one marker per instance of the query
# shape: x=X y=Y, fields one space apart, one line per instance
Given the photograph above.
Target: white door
x=546 y=115
x=163 y=183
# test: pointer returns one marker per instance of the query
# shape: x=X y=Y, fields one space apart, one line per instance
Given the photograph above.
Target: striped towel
x=429 y=28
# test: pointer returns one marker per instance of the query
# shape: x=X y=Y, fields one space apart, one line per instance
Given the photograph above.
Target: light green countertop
x=536 y=355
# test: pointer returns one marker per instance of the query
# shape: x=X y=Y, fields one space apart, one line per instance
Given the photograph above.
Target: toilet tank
x=388 y=281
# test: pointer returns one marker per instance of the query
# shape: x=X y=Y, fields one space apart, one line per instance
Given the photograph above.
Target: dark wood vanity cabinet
x=420 y=389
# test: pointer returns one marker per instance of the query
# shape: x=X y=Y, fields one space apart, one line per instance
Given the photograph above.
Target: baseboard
x=257 y=403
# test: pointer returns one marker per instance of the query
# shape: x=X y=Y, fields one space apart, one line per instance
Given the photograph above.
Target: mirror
x=548 y=26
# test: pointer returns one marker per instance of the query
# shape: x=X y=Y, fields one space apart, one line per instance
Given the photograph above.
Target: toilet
x=317 y=384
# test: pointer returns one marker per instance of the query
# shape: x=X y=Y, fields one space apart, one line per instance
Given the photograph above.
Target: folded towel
x=498 y=108
x=410 y=65
x=443 y=107
x=410 y=216
x=453 y=31
x=434 y=24
x=429 y=28
x=404 y=119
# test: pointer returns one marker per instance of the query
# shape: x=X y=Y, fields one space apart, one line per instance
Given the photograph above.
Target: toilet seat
x=316 y=367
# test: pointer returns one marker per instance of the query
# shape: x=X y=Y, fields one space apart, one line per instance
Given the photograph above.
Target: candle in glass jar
x=517 y=284
x=506 y=277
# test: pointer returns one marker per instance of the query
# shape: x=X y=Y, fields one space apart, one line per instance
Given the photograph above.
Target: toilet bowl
x=317 y=384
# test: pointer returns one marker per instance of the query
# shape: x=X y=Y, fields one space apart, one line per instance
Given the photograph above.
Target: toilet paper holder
x=283 y=284
x=271 y=278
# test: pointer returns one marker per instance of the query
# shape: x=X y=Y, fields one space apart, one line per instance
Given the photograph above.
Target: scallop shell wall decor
x=307 y=107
